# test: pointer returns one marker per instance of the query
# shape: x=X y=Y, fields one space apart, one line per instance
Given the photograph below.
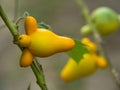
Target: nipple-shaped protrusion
x=30 y=25
x=24 y=40
x=26 y=58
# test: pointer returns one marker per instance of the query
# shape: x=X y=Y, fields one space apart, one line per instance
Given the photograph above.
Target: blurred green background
x=64 y=16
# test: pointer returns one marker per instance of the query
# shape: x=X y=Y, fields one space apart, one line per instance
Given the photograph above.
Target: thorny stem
x=98 y=40
x=37 y=68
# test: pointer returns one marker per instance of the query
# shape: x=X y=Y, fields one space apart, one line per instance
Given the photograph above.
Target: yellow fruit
x=74 y=70
x=105 y=20
x=42 y=42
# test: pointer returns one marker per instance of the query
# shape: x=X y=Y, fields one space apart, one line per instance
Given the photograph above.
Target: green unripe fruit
x=105 y=20
x=85 y=30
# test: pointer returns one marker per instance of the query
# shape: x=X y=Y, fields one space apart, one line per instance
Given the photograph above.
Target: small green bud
x=85 y=30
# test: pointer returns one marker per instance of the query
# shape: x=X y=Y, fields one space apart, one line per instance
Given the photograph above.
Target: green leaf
x=43 y=25
x=29 y=87
x=78 y=51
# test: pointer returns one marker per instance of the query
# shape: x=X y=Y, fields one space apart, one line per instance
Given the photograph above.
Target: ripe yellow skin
x=74 y=70
x=41 y=42
x=87 y=66
x=26 y=58
x=24 y=40
x=45 y=43
x=90 y=45
x=101 y=62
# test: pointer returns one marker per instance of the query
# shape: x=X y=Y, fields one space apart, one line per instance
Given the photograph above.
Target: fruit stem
x=98 y=40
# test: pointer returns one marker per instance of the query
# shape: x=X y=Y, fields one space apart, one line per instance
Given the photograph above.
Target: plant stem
x=13 y=29
x=8 y=23
x=39 y=76
x=98 y=40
